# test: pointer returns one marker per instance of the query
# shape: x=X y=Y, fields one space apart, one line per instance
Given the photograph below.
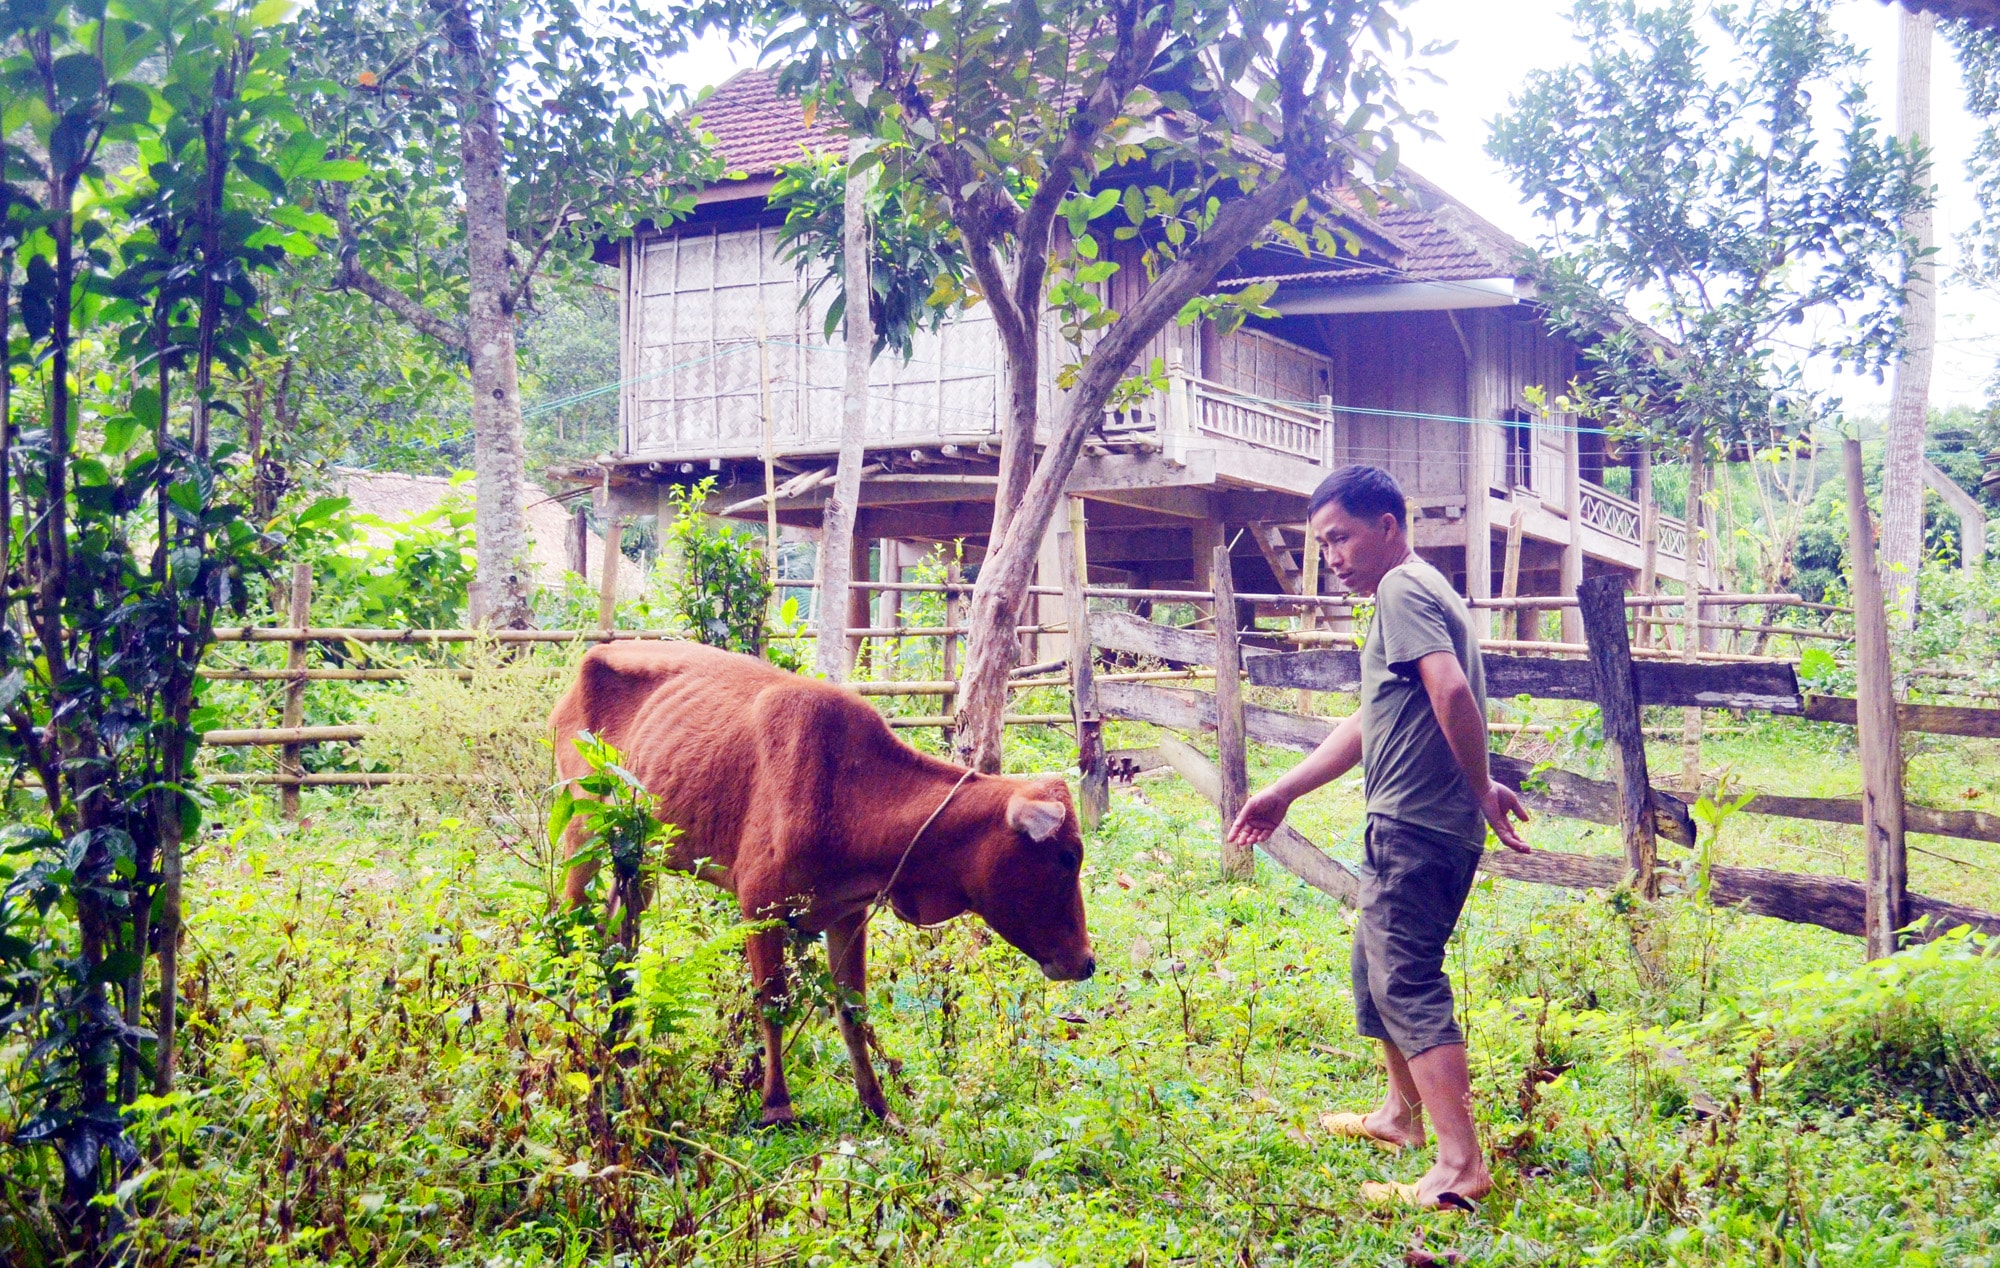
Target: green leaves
x=917 y=270
x=1741 y=186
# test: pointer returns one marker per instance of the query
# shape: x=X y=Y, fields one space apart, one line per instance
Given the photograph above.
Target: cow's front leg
x=847 y=957
x=766 y=950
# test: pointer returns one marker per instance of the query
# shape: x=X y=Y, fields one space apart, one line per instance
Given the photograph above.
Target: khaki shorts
x=1413 y=885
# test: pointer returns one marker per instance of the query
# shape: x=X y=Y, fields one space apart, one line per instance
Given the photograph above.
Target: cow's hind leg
x=847 y=957
x=766 y=950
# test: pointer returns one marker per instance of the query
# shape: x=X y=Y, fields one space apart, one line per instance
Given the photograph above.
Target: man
x=1420 y=736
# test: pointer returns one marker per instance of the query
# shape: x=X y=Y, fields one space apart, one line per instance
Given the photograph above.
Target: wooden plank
x=1875 y=721
x=1270 y=541
x=1123 y=632
x=1230 y=741
x=1601 y=605
x=1194 y=712
x=1965 y=825
x=1827 y=901
x=1932 y=719
x=1288 y=848
x=1772 y=687
x=1569 y=795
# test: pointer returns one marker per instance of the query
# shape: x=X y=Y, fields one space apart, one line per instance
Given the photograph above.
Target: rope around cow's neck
x=897 y=874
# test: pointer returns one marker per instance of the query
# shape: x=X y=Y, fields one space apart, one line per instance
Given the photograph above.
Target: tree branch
x=1134 y=52
x=352 y=276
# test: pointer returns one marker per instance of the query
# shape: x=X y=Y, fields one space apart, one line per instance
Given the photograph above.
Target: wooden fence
x=1606 y=669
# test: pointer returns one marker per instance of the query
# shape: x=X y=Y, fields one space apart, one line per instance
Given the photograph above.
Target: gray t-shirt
x=1410 y=773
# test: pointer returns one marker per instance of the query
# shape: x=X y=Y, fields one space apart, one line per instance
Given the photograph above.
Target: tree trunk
x=1001 y=595
x=836 y=538
x=1017 y=437
x=1909 y=399
x=503 y=589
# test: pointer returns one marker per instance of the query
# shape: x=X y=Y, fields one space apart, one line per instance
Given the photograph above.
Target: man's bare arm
x=1464 y=726
x=1263 y=812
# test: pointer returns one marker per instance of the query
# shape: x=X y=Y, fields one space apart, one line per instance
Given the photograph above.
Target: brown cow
x=803 y=802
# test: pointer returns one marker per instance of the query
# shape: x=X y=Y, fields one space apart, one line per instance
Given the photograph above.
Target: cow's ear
x=1039 y=819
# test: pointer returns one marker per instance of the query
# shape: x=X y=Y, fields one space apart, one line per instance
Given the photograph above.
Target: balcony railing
x=1619 y=517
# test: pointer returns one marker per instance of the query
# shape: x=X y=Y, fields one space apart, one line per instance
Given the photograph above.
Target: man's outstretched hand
x=1498 y=805
x=1260 y=817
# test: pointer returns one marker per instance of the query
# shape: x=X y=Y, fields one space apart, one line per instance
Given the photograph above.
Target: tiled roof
x=1439 y=238
x=756 y=128
x=1444 y=240
x=1980 y=13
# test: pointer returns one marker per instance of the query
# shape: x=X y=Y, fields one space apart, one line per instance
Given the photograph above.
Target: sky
x=1499 y=43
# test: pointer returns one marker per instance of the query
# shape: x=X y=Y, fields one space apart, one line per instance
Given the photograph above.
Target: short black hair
x=1363 y=492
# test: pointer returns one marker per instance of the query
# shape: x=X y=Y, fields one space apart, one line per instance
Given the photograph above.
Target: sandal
x=1395 y=1192
x=1355 y=1127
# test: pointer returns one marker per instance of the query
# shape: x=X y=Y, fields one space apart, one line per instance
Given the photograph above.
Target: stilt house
x=1419 y=356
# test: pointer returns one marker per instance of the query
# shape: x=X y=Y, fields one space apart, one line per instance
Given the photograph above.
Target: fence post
x=607 y=572
x=1095 y=789
x=1510 y=578
x=954 y=575
x=289 y=757
x=1875 y=720
x=1309 y=587
x=1237 y=862
x=1601 y=605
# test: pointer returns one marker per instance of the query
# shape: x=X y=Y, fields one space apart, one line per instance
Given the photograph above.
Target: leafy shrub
x=1917 y=1032
x=719 y=588
x=478 y=737
x=410 y=571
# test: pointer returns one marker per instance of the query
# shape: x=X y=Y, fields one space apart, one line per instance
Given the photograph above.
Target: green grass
x=393 y=1057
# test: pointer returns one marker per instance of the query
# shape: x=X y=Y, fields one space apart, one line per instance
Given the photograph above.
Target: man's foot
x=1406 y=1130
x=1396 y=1193
x=1469 y=1183
x=1351 y=1126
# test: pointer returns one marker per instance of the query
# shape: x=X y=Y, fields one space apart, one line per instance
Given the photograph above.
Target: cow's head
x=1021 y=877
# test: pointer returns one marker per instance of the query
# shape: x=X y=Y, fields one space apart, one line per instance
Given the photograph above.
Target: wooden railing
x=1227 y=415
x=1619 y=517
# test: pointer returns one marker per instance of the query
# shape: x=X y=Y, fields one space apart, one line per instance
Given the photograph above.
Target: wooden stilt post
x=290 y=756
x=1601 y=604
x=1875 y=720
x=1510 y=578
x=1237 y=863
x=607 y=573
x=1095 y=789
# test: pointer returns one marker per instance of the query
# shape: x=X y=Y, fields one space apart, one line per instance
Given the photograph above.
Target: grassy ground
x=396 y=1057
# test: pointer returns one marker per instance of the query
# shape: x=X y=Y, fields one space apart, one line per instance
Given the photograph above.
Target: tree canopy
x=1715 y=172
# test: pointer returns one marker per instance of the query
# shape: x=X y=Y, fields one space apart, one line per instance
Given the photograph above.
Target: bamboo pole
x=290 y=757
x=1875 y=720
x=607 y=580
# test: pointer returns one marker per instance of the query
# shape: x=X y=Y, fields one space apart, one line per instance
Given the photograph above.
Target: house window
x=1520 y=450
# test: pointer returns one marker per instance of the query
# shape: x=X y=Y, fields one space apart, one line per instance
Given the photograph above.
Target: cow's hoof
x=779 y=1116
